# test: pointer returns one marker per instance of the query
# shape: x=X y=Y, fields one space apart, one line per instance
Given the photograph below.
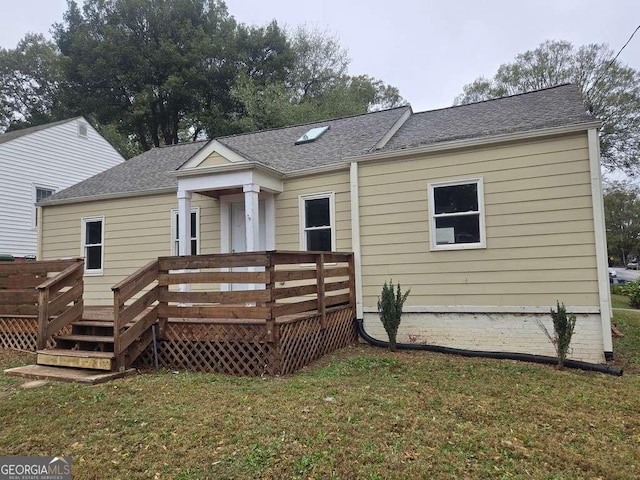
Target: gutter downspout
x=604 y=294
x=355 y=235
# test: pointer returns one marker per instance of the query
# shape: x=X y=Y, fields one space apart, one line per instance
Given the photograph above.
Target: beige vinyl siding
x=136 y=231
x=213 y=160
x=539 y=227
x=288 y=208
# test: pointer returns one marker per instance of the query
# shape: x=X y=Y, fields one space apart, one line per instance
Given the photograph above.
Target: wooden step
x=64 y=374
x=76 y=359
x=94 y=323
x=75 y=337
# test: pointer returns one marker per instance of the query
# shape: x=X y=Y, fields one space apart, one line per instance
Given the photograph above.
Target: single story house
x=38 y=162
x=490 y=212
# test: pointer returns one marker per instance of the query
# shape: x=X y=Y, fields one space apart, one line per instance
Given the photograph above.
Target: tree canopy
x=622 y=220
x=610 y=89
x=156 y=72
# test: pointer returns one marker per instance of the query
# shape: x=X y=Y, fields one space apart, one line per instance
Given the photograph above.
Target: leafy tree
x=30 y=77
x=610 y=89
x=622 y=219
x=316 y=88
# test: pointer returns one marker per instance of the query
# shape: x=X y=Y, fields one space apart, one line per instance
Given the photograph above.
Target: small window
x=93 y=244
x=312 y=135
x=195 y=232
x=456 y=215
x=40 y=194
x=317 y=222
x=82 y=129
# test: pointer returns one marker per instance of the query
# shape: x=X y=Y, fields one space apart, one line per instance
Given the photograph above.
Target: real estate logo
x=35 y=468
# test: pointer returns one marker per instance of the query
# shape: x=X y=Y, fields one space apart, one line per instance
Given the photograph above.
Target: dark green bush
x=390 y=309
x=563 y=326
x=632 y=290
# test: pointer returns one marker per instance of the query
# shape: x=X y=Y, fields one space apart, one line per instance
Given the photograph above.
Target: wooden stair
x=90 y=344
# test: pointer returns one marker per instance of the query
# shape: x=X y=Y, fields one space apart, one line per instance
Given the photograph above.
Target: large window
x=93 y=244
x=456 y=214
x=194 y=229
x=317 y=228
x=40 y=193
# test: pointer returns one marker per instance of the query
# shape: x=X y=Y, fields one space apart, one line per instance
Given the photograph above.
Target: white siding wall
x=53 y=158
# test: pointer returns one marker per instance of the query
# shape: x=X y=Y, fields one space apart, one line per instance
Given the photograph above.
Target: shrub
x=632 y=290
x=563 y=326
x=390 y=309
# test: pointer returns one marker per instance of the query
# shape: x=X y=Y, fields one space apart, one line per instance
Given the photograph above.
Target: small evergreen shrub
x=632 y=290
x=390 y=310
x=563 y=326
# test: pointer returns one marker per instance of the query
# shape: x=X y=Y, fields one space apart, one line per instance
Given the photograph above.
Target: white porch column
x=270 y=221
x=184 y=222
x=251 y=210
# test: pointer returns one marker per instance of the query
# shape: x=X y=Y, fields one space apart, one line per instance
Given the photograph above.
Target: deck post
x=116 y=329
x=320 y=290
x=270 y=286
x=352 y=282
x=43 y=318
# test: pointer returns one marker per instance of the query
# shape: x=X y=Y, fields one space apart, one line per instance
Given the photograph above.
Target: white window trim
x=84 y=221
x=432 y=217
x=34 y=198
x=174 y=214
x=301 y=218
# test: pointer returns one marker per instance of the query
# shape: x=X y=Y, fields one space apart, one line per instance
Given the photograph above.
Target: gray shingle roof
x=550 y=107
x=7 y=137
x=346 y=137
x=147 y=171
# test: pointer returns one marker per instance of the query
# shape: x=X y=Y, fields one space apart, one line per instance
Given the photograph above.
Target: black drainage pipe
x=524 y=357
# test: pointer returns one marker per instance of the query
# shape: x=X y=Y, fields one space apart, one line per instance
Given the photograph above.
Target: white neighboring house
x=37 y=162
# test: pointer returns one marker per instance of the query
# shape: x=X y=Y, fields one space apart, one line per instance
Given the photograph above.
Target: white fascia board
x=214 y=146
x=231 y=167
x=539 y=309
x=318 y=170
x=392 y=131
x=106 y=196
x=473 y=142
x=229 y=179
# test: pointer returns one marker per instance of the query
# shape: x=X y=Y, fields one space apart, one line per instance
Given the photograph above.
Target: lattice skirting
x=21 y=333
x=242 y=349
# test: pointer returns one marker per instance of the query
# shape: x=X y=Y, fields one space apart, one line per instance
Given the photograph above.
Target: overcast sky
x=428 y=49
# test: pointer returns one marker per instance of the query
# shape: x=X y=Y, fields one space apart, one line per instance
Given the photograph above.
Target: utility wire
x=612 y=61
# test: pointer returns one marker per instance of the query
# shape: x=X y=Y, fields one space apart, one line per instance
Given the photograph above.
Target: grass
x=619 y=301
x=362 y=413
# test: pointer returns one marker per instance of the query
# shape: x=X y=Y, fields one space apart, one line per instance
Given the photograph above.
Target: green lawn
x=363 y=413
x=619 y=301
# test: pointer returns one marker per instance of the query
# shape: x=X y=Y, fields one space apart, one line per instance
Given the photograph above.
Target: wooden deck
x=191 y=313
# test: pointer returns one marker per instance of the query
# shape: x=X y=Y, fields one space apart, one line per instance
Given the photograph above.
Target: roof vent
x=82 y=129
x=312 y=135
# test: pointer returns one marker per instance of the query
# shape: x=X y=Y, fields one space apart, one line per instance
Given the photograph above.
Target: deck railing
x=254 y=287
x=60 y=301
x=49 y=290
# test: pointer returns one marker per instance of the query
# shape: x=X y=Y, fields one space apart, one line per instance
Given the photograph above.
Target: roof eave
x=107 y=196
x=474 y=142
x=231 y=167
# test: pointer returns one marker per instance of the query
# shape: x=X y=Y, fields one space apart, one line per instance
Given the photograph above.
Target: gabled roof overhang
x=232 y=175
